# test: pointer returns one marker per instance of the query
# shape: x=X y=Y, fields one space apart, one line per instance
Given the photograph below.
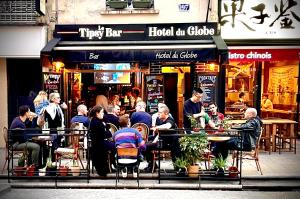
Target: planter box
x=141 y=4
x=117 y=4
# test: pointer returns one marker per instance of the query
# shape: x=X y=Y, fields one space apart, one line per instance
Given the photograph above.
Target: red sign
x=264 y=54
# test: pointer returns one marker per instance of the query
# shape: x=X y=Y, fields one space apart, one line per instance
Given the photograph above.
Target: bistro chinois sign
x=136 y=32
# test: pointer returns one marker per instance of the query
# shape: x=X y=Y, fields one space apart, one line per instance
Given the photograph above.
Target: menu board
x=208 y=84
x=154 y=92
x=52 y=82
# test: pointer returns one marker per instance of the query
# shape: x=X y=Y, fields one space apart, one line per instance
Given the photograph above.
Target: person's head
x=265 y=95
x=136 y=92
x=242 y=95
x=140 y=106
x=163 y=112
x=110 y=109
x=250 y=113
x=24 y=110
x=213 y=107
x=97 y=111
x=82 y=109
x=197 y=94
x=54 y=97
x=41 y=96
x=124 y=120
x=117 y=110
x=159 y=105
x=102 y=100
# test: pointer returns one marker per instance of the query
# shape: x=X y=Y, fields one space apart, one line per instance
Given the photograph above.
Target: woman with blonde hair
x=41 y=102
x=102 y=101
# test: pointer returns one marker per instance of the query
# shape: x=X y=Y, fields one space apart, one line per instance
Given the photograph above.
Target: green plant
x=193 y=147
x=181 y=162
x=194 y=122
x=225 y=122
x=219 y=163
x=22 y=161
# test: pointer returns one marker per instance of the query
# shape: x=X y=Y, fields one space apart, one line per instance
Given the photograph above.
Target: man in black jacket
x=251 y=130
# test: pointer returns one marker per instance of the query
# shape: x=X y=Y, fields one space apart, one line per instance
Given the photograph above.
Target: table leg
x=274 y=127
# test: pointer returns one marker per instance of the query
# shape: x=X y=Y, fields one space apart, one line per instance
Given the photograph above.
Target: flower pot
x=75 y=170
x=193 y=171
x=233 y=172
x=220 y=172
x=19 y=171
x=63 y=170
x=30 y=170
x=117 y=4
x=141 y=4
x=50 y=171
x=182 y=172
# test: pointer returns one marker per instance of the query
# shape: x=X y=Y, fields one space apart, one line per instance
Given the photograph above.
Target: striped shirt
x=129 y=138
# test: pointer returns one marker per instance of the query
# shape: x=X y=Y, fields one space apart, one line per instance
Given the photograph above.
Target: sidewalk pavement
x=279 y=170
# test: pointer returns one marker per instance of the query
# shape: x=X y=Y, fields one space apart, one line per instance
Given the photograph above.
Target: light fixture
x=58 y=65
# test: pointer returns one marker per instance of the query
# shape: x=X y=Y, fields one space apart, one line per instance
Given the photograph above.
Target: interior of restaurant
x=276 y=79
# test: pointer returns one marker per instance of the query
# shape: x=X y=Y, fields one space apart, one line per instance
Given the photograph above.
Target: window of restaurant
x=240 y=87
x=250 y=83
x=280 y=84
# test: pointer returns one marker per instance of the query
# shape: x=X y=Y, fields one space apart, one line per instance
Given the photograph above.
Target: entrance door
x=170 y=85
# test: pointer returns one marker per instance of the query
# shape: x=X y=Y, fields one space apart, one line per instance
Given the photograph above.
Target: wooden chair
x=72 y=151
x=266 y=140
x=9 y=155
x=285 y=139
x=251 y=155
x=112 y=128
x=143 y=129
x=127 y=157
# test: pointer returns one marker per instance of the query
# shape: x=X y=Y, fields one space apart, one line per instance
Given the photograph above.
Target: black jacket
x=252 y=130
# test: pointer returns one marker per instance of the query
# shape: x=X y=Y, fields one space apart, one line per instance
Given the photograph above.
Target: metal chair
x=8 y=153
x=127 y=157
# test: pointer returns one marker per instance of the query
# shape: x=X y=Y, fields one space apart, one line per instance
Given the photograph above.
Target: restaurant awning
x=136 y=43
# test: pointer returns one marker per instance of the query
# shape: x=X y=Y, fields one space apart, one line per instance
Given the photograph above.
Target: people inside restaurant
x=266 y=103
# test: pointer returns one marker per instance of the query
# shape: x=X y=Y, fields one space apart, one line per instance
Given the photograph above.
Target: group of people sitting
x=104 y=142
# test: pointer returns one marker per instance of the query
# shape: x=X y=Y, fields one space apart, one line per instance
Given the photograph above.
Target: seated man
x=81 y=116
x=164 y=121
x=250 y=137
x=141 y=116
x=128 y=137
x=19 y=136
x=111 y=116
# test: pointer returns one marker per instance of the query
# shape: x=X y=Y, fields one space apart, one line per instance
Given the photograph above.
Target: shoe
x=149 y=169
x=124 y=172
x=134 y=172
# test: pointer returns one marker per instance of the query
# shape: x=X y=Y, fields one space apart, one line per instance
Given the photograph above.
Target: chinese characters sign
x=250 y=19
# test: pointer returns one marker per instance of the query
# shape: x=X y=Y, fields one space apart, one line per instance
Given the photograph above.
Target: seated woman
x=266 y=104
x=100 y=143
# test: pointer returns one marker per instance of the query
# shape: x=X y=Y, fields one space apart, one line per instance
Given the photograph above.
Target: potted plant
x=75 y=169
x=233 y=171
x=142 y=3
x=195 y=125
x=117 y=4
x=219 y=164
x=50 y=166
x=181 y=166
x=20 y=170
x=63 y=170
x=193 y=148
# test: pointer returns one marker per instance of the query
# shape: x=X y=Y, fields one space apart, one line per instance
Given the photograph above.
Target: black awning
x=136 y=51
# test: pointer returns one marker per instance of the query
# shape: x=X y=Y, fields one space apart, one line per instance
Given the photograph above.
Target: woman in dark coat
x=100 y=143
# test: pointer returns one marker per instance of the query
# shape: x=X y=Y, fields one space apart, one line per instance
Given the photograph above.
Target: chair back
x=112 y=128
x=143 y=129
x=127 y=155
x=256 y=152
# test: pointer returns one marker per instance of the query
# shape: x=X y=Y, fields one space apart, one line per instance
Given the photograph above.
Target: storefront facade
x=105 y=59
x=265 y=58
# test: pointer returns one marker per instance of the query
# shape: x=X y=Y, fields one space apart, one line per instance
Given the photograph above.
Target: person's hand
x=64 y=106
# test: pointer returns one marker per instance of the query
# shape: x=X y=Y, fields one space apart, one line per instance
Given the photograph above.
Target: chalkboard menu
x=52 y=82
x=208 y=84
x=154 y=92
